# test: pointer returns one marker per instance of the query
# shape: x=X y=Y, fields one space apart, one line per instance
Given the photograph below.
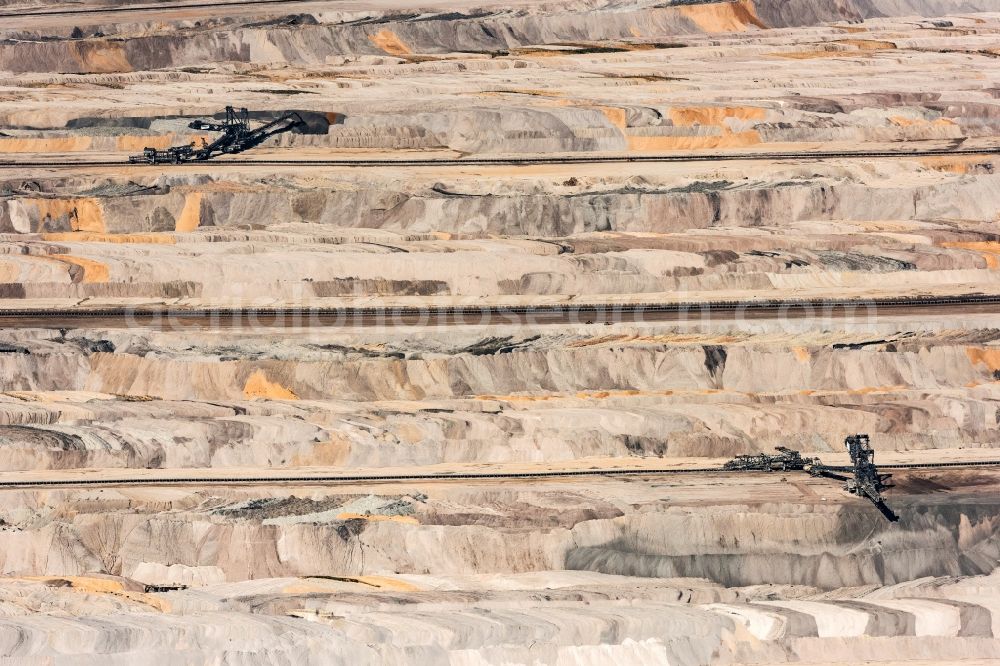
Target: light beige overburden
x=123 y=563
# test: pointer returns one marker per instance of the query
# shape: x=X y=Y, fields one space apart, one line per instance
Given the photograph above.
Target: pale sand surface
x=685 y=569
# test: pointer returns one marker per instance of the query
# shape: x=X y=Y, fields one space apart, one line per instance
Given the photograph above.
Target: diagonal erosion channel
x=178 y=317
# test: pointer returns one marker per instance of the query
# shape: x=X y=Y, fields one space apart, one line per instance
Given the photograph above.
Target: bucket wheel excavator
x=866 y=480
x=236 y=135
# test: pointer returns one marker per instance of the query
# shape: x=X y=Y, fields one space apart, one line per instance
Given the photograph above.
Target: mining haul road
x=178 y=318
x=516 y=161
x=69 y=478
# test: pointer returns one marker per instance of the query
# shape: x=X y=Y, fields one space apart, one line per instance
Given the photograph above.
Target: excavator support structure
x=862 y=479
x=236 y=135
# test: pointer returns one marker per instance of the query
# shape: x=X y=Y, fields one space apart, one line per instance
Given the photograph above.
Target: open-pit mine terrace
x=446 y=374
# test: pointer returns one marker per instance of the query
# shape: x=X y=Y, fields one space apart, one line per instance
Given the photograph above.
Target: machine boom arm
x=862 y=478
x=236 y=136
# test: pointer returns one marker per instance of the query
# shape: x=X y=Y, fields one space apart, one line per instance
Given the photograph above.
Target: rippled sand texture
x=699 y=568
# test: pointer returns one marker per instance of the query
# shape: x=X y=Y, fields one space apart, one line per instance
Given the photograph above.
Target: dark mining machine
x=862 y=478
x=235 y=136
x=866 y=481
x=785 y=459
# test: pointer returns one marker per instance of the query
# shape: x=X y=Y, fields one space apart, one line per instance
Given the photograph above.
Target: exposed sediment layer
x=753 y=536
x=315 y=37
x=689 y=569
x=102 y=399
x=510 y=618
x=842 y=83
x=188 y=236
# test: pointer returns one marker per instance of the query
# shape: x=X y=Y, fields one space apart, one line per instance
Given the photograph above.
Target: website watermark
x=365 y=312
